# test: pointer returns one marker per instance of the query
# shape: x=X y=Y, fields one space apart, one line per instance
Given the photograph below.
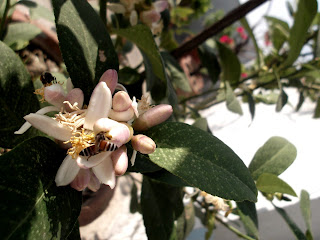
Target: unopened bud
x=54 y=95
x=150 y=16
x=82 y=179
x=110 y=77
x=121 y=101
x=143 y=144
x=153 y=117
x=133 y=18
x=124 y=116
x=120 y=160
x=74 y=96
x=160 y=5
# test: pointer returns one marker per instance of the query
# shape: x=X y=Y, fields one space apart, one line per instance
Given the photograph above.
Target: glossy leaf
x=292 y=225
x=201 y=160
x=85 y=44
x=230 y=64
x=270 y=183
x=32 y=206
x=209 y=60
x=16 y=97
x=248 y=215
x=19 y=35
x=303 y=18
x=177 y=76
x=305 y=209
x=161 y=204
x=275 y=156
x=232 y=102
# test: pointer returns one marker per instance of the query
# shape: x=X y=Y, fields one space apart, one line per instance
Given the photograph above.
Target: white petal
x=94 y=183
x=67 y=172
x=55 y=95
x=99 y=105
x=69 y=85
x=105 y=172
x=27 y=125
x=133 y=157
x=49 y=126
x=85 y=162
x=133 y=18
x=160 y=5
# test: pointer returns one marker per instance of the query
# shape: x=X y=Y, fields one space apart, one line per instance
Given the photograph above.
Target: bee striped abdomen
x=89 y=151
x=107 y=146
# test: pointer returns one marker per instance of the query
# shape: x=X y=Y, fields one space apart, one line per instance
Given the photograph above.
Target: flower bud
x=121 y=101
x=110 y=77
x=143 y=144
x=54 y=95
x=82 y=179
x=120 y=160
x=160 y=5
x=75 y=95
x=150 y=16
x=133 y=18
x=123 y=116
x=152 y=117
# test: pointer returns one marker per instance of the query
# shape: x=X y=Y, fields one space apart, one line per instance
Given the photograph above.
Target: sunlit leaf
x=31 y=204
x=303 y=18
x=201 y=160
x=270 y=183
x=232 y=102
x=275 y=156
x=16 y=97
x=85 y=44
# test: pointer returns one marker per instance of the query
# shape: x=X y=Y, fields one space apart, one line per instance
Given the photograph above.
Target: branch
x=217 y=27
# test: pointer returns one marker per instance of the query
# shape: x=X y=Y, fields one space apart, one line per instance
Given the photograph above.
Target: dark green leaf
x=230 y=64
x=317 y=109
x=167 y=177
x=210 y=224
x=248 y=215
x=301 y=100
x=161 y=204
x=210 y=62
x=252 y=104
x=186 y=221
x=177 y=76
x=31 y=205
x=270 y=183
x=19 y=35
x=303 y=18
x=282 y=101
x=279 y=31
x=134 y=204
x=85 y=44
x=293 y=226
x=232 y=102
x=202 y=160
x=275 y=156
x=128 y=76
x=305 y=209
x=16 y=98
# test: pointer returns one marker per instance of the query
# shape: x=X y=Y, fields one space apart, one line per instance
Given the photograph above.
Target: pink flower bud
x=110 y=77
x=123 y=116
x=120 y=160
x=54 y=95
x=143 y=144
x=75 y=95
x=152 y=117
x=82 y=179
x=121 y=101
x=150 y=16
x=160 y=6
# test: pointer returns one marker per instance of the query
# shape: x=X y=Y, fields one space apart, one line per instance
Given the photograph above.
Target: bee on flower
x=95 y=136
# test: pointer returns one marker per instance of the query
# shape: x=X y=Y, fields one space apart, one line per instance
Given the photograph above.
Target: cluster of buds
x=149 y=14
x=95 y=136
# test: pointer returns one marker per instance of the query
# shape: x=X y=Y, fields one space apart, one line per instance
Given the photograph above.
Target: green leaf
x=252 y=104
x=232 y=102
x=293 y=226
x=202 y=124
x=16 y=98
x=185 y=222
x=19 y=35
x=161 y=204
x=134 y=204
x=305 y=209
x=85 y=44
x=303 y=18
x=275 y=156
x=317 y=109
x=248 y=215
x=270 y=98
x=31 y=205
x=210 y=62
x=282 y=100
x=301 y=100
x=128 y=76
x=166 y=177
x=202 y=160
x=142 y=37
x=279 y=31
x=270 y=183
x=177 y=75
x=230 y=64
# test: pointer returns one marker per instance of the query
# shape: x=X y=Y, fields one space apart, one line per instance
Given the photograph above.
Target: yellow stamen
x=80 y=141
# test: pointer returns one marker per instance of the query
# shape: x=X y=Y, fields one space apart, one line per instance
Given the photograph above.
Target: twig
x=217 y=27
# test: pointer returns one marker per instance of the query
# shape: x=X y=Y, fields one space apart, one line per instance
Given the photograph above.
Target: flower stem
x=3 y=20
x=233 y=229
x=103 y=11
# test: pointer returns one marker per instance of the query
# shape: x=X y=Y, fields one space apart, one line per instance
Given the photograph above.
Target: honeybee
x=102 y=144
x=47 y=78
